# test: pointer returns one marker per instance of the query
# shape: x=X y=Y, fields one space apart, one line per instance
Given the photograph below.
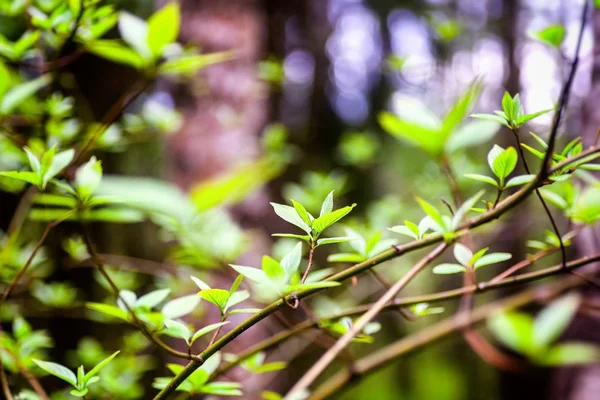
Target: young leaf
x=571 y=353
x=178 y=329
x=181 y=306
x=88 y=177
x=552 y=35
x=236 y=298
x=209 y=328
x=514 y=329
x=163 y=28
x=445 y=269
x=504 y=163
x=254 y=274
x=218 y=297
x=433 y=213
x=134 y=31
x=18 y=94
x=58 y=370
x=188 y=65
x=519 y=180
x=290 y=215
x=493 y=258
x=404 y=230
x=325 y=221
x=333 y=240
x=116 y=52
x=302 y=213
x=462 y=254
x=482 y=178
x=554 y=319
x=153 y=298
x=99 y=366
x=291 y=261
x=327 y=205
x=273 y=269
x=465 y=208
x=200 y=283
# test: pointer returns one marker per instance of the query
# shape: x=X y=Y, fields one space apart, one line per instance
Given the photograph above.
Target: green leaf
x=404 y=230
x=504 y=163
x=291 y=261
x=491 y=117
x=514 y=329
x=59 y=162
x=554 y=198
x=188 y=65
x=493 y=258
x=459 y=110
x=152 y=299
x=25 y=176
x=270 y=367
x=88 y=178
x=58 y=200
x=482 y=178
x=21 y=329
x=342 y=239
x=163 y=28
x=326 y=220
x=554 y=319
x=254 y=274
x=427 y=138
x=200 y=283
x=79 y=393
x=519 y=180
x=110 y=310
x=533 y=151
x=462 y=211
x=273 y=269
x=134 y=31
x=236 y=298
x=552 y=35
x=433 y=213
x=181 y=306
x=177 y=329
x=528 y=117
x=218 y=297
x=571 y=353
x=446 y=269
x=302 y=213
x=290 y=215
x=114 y=51
x=99 y=366
x=587 y=207
x=327 y=205
x=58 y=370
x=18 y=94
x=209 y=328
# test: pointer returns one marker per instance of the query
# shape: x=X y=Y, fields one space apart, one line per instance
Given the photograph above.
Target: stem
x=482 y=287
x=21 y=212
x=214 y=336
x=34 y=383
x=310 y=260
x=25 y=266
x=429 y=335
x=136 y=321
x=317 y=369
x=452 y=180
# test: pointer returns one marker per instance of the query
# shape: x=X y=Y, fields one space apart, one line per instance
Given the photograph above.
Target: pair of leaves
x=300 y=217
x=42 y=170
x=469 y=261
x=281 y=277
x=502 y=162
x=442 y=223
x=342 y=326
x=81 y=381
x=225 y=299
x=535 y=338
x=198 y=381
x=413 y=230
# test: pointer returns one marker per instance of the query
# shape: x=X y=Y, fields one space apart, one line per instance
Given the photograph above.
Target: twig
x=387 y=354
x=318 y=368
x=34 y=383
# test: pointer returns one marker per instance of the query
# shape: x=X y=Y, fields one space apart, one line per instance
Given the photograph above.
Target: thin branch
x=34 y=383
x=319 y=367
x=117 y=293
x=482 y=287
x=387 y=354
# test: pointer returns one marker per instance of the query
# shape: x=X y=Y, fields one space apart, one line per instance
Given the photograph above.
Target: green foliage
x=512 y=115
x=81 y=381
x=362 y=247
x=535 y=338
x=469 y=261
x=552 y=35
x=340 y=327
x=419 y=126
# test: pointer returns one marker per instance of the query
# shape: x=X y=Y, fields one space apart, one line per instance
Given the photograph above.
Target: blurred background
x=294 y=115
